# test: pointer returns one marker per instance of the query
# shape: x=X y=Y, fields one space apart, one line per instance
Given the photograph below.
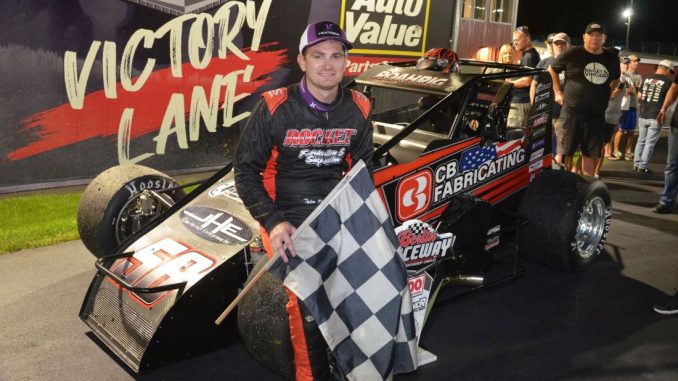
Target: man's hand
x=660 y=117
x=615 y=92
x=281 y=239
x=558 y=97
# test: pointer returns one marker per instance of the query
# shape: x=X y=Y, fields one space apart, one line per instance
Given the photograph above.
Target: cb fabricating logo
x=414 y=194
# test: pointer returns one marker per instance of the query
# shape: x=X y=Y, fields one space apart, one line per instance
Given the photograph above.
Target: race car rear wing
x=405 y=76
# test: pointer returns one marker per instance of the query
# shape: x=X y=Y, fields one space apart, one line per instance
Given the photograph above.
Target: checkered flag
x=348 y=274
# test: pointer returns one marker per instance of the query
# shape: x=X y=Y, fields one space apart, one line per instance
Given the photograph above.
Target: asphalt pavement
x=597 y=324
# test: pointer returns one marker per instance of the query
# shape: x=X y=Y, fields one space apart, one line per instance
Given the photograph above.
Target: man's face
x=594 y=41
x=520 y=41
x=633 y=65
x=623 y=67
x=559 y=47
x=323 y=64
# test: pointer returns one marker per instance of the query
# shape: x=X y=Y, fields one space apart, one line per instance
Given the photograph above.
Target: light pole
x=628 y=12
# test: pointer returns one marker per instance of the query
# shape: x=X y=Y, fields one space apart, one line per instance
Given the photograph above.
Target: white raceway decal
x=421 y=244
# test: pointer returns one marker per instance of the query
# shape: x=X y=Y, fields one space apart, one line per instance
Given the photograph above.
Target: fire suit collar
x=315 y=104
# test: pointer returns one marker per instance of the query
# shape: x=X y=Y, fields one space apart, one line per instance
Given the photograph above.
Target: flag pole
x=244 y=292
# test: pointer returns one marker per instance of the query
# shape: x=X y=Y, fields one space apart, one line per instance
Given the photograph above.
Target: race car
x=458 y=186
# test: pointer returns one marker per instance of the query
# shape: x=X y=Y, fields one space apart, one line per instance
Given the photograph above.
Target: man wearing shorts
x=591 y=72
x=627 y=125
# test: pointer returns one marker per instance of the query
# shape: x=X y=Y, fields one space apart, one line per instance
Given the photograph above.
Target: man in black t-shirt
x=591 y=73
x=520 y=101
x=653 y=91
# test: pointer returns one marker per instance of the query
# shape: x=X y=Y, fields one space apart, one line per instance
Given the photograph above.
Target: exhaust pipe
x=463 y=280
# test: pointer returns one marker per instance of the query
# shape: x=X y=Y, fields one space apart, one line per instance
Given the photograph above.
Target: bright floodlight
x=627 y=12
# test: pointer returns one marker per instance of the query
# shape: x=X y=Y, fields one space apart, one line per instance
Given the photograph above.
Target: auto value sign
x=393 y=27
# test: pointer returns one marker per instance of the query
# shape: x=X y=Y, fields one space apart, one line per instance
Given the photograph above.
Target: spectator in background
x=506 y=54
x=627 y=127
x=591 y=74
x=560 y=43
x=549 y=46
x=668 y=197
x=653 y=92
x=520 y=101
x=612 y=116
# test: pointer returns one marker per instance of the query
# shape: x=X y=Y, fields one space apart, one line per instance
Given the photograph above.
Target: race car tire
x=568 y=220
x=264 y=328
x=106 y=196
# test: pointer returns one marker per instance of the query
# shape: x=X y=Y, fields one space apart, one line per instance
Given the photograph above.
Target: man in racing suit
x=297 y=145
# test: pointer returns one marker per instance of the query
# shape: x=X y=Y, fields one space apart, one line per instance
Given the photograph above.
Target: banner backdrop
x=90 y=84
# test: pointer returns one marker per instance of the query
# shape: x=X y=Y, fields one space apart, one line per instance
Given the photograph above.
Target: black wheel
x=264 y=329
x=119 y=202
x=569 y=219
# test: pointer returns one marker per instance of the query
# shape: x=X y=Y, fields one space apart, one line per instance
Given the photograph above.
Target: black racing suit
x=290 y=156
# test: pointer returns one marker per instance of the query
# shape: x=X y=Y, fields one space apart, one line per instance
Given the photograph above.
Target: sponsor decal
x=493 y=240
x=215 y=225
x=394 y=27
x=541 y=97
x=416 y=285
x=539 y=119
x=543 y=87
x=136 y=186
x=541 y=106
x=319 y=137
x=538 y=132
x=536 y=165
x=420 y=290
x=414 y=194
x=225 y=189
x=477 y=165
x=358 y=65
x=319 y=157
x=164 y=262
x=538 y=144
x=411 y=78
x=421 y=244
x=537 y=154
x=596 y=73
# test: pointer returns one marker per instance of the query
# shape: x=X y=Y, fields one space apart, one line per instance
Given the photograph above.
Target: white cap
x=667 y=64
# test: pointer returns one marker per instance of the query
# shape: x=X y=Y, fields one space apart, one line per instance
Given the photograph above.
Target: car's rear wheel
x=569 y=219
x=264 y=328
x=119 y=202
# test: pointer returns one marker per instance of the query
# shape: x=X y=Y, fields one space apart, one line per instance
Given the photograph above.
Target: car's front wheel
x=119 y=202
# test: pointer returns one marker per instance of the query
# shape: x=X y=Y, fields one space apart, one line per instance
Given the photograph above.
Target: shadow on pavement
x=550 y=325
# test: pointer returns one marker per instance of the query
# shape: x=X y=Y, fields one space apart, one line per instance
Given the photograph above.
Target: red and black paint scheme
x=155 y=298
x=469 y=153
x=451 y=176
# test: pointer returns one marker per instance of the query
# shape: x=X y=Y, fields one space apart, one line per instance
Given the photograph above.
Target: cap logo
x=594 y=26
x=327 y=29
